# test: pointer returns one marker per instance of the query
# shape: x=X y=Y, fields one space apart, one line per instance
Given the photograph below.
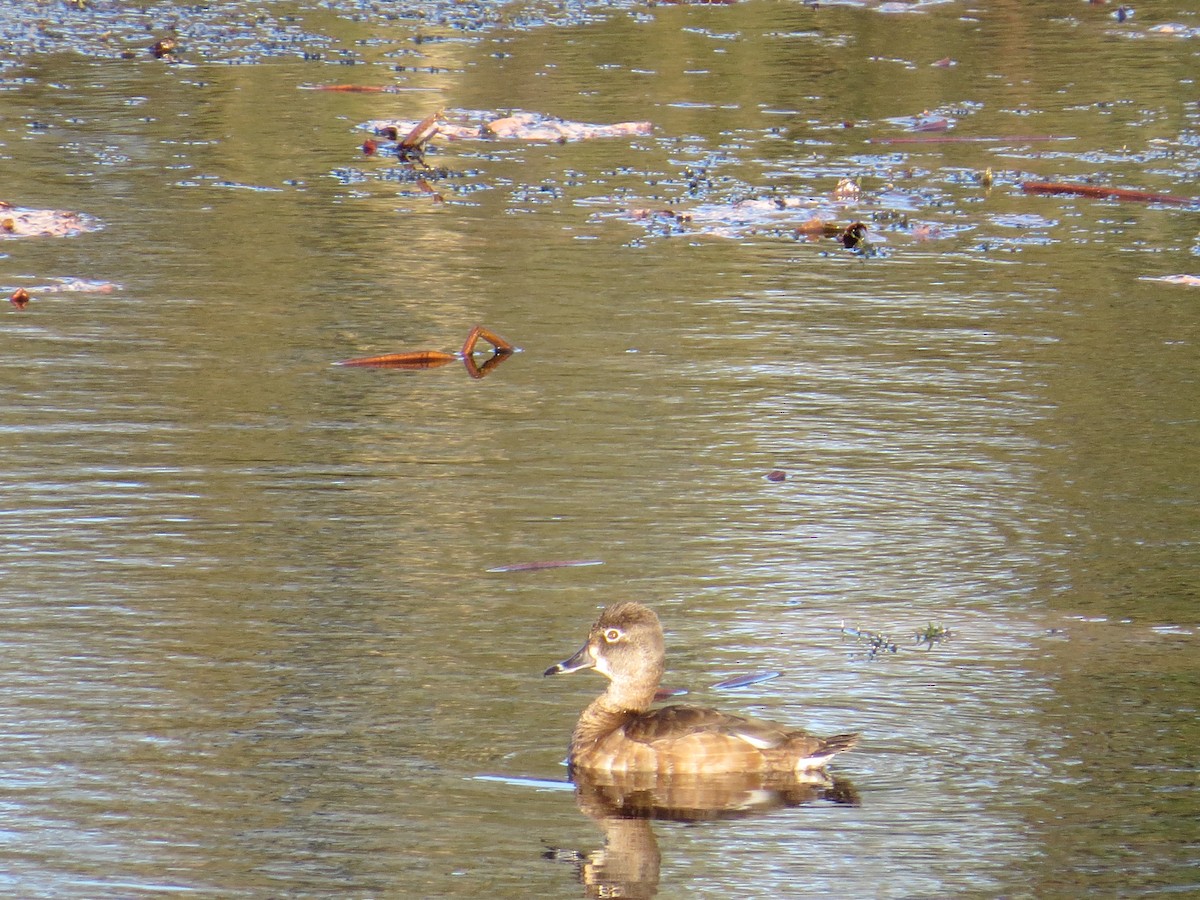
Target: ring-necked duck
x=618 y=731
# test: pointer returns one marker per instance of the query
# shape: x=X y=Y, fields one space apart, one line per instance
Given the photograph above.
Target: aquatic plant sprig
x=878 y=642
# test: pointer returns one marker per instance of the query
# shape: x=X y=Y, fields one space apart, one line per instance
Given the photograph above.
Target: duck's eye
x=612 y=635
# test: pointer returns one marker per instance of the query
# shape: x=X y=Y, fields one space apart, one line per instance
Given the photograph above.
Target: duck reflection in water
x=631 y=763
x=623 y=807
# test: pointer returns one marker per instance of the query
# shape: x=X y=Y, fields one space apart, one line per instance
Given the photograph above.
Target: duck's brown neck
x=610 y=711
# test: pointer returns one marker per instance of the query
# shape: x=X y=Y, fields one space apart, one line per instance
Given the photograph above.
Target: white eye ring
x=612 y=635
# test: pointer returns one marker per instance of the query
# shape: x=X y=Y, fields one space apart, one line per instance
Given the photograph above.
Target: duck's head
x=625 y=644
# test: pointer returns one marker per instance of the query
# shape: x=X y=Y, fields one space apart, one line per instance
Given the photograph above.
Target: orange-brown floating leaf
x=420 y=359
x=1105 y=193
x=776 y=475
x=422 y=133
x=19 y=298
x=745 y=681
x=370 y=145
x=164 y=47
x=547 y=564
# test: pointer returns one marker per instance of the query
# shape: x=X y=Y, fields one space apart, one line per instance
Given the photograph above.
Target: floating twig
x=1106 y=193
x=434 y=359
x=418 y=359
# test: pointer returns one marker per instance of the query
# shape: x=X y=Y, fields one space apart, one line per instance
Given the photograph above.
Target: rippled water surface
x=251 y=646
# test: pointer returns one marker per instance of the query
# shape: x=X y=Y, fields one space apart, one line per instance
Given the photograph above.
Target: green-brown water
x=250 y=646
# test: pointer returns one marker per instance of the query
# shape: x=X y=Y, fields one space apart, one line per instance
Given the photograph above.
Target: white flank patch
x=755 y=741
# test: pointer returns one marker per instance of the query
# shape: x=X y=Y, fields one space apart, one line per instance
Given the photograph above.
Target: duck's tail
x=839 y=743
x=825 y=749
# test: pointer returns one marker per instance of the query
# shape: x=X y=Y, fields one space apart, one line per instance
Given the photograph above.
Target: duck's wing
x=673 y=723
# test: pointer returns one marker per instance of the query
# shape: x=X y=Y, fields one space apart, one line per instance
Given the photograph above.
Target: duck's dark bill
x=581 y=660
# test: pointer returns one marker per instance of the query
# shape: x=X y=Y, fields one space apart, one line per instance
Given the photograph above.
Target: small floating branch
x=1106 y=193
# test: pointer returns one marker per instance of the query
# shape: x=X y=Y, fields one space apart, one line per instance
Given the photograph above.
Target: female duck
x=618 y=732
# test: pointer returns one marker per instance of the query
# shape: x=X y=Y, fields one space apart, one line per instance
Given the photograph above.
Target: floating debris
x=539 y=784
x=352 y=88
x=164 y=48
x=17 y=222
x=1106 y=193
x=933 y=634
x=776 y=475
x=522 y=126
x=853 y=235
x=418 y=359
x=744 y=681
x=434 y=359
x=19 y=298
x=876 y=643
x=1189 y=280
x=546 y=564
x=413 y=144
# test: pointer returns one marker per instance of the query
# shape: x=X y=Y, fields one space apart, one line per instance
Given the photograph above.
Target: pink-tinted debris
x=78 y=286
x=20 y=297
x=18 y=222
x=1189 y=280
x=776 y=475
x=935 y=123
x=351 y=88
